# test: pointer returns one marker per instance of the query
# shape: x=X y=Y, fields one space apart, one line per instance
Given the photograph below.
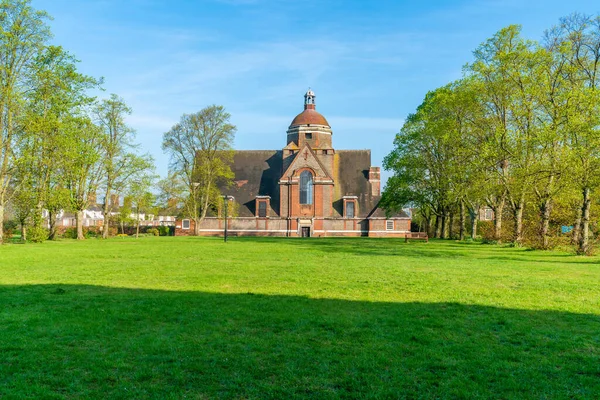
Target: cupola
x=310 y=126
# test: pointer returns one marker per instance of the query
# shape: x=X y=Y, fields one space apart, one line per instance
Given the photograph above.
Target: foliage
x=153 y=232
x=37 y=234
x=200 y=148
x=120 y=161
x=23 y=35
x=9 y=226
x=164 y=230
x=519 y=133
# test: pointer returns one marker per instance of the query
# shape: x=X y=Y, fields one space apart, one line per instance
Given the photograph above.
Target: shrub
x=153 y=232
x=91 y=232
x=37 y=234
x=70 y=233
x=10 y=227
x=163 y=230
x=122 y=235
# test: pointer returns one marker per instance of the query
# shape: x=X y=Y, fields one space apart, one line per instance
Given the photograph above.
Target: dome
x=309 y=116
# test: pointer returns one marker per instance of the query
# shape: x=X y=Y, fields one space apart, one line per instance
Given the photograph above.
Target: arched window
x=306 y=188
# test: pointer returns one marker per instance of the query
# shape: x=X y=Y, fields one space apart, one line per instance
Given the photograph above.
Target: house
x=308 y=188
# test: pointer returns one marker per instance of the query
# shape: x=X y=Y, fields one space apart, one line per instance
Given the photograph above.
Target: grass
x=289 y=318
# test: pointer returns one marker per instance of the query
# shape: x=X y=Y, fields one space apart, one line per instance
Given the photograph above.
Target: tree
x=58 y=97
x=82 y=166
x=125 y=211
x=119 y=162
x=23 y=33
x=171 y=192
x=142 y=199
x=435 y=159
x=503 y=65
x=580 y=35
x=200 y=148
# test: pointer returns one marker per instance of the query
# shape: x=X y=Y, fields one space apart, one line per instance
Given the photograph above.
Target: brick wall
x=321 y=227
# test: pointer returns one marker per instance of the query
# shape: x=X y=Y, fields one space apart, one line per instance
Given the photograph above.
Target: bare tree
x=200 y=147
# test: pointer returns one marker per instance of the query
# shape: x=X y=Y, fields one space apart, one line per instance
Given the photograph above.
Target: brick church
x=306 y=189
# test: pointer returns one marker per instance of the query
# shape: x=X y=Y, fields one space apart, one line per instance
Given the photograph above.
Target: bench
x=416 y=236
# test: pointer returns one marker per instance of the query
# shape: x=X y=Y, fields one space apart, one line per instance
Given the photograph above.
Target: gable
x=306 y=158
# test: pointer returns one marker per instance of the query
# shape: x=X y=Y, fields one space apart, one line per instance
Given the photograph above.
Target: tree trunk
x=105 y=214
x=122 y=227
x=584 y=240
x=438 y=227
x=461 y=233
x=197 y=226
x=518 y=214
x=1 y=223
x=427 y=224
x=23 y=231
x=545 y=208
x=474 y=221
x=52 y=225
x=205 y=204
x=498 y=210
x=79 y=220
x=137 y=226
x=577 y=228
x=451 y=226
x=444 y=226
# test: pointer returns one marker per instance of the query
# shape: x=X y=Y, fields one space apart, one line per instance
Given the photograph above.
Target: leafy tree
x=142 y=199
x=23 y=33
x=120 y=161
x=58 y=96
x=82 y=166
x=125 y=211
x=580 y=35
x=200 y=148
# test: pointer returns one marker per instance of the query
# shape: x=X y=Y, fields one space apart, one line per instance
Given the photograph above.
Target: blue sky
x=370 y=63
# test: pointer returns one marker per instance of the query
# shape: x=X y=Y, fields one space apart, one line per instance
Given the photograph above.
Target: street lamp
x=227 y=199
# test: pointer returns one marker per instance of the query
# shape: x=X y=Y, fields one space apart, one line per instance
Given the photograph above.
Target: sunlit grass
x=281 y=318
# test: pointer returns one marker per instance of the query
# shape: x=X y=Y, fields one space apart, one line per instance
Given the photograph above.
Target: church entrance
x=305 y=231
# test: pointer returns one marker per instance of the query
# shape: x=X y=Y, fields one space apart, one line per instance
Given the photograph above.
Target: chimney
x=375 y=181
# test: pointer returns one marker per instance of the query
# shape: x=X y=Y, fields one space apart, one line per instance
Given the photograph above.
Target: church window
x=308 y=136
x=350 y=209
x=262 y=209
x=389 y=225
x=306 y=188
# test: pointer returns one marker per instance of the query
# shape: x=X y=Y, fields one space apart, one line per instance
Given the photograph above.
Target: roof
x=351 y=175
x=257 y=173
x=309 y=116
x=380 y=213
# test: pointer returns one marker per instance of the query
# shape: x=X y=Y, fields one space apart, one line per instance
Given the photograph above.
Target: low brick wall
x=320 y=227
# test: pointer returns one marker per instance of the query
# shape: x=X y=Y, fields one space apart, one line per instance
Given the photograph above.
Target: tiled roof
x=309 y=117
x=257 y=173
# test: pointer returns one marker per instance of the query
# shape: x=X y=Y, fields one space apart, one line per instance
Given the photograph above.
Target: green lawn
x=292 y=318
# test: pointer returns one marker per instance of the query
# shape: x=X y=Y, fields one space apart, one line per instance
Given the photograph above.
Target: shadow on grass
x=90 y=341
x=419 y=249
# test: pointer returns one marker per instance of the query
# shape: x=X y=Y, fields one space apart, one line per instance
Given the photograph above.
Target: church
x=308 y=188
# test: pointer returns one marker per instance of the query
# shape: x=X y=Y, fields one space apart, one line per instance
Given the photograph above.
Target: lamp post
x=227 y=199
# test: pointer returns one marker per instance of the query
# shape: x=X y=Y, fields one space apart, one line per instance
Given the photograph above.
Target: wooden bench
x=416 y=236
